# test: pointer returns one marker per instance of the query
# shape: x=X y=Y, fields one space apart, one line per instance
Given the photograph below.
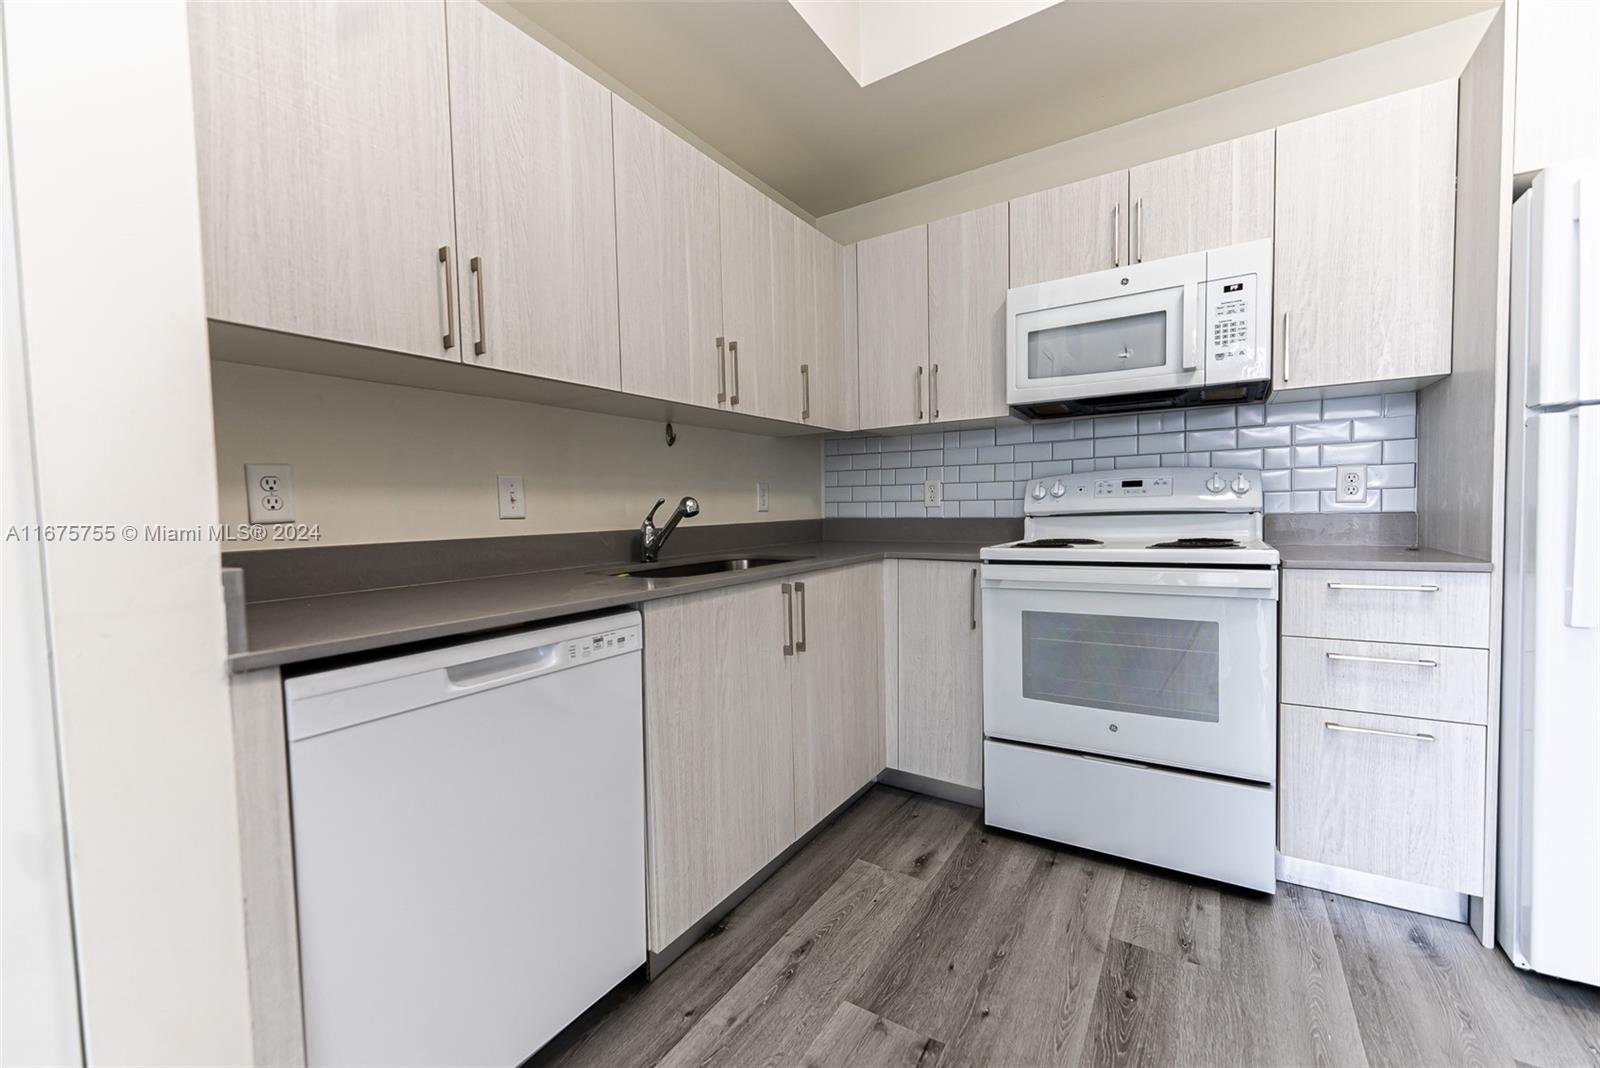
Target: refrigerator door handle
x=1583 y=606
x=1586 y=220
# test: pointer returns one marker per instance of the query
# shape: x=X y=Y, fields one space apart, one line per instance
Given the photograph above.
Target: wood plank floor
x=907 y=934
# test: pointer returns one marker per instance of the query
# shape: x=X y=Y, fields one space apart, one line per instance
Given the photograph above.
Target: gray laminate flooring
x=907 y=934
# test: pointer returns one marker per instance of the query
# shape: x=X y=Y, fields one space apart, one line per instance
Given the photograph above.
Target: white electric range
x=1130 y=654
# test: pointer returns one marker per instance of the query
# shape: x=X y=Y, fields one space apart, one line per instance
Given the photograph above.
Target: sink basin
x=699 y=567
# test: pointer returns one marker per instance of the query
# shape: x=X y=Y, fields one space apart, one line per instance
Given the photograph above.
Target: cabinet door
x=892 y=315
x=1365 y=241
x=832 y=391
x=967 y=274
x=757 y=263
x=941 y=672
x=1071 y=229
x=719 y=772
x=323 y=141
x=838 y=689
x=796 y=314
x=1209 y=198
x=535 y=204
x=669 y=263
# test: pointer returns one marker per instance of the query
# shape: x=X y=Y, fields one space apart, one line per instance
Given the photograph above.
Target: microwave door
x=1110 y=345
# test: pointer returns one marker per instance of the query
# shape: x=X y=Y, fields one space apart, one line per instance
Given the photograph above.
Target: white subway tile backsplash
x=852 y=511
x=1294 y=444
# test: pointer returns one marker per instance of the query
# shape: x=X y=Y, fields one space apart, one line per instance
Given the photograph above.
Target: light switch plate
x=270 y=491
x=512 y=503
x=761 y=496
x=932 y=494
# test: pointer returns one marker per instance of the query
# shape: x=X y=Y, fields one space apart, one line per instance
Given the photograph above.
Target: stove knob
x=1038 y=492
x=1241 y=485
x=1215 y=484
x=1058 y=490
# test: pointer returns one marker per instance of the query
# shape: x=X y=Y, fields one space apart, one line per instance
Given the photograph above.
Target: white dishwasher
x=469 y=843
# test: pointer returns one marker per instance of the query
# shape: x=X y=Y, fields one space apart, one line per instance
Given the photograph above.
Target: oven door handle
x=1170 y=582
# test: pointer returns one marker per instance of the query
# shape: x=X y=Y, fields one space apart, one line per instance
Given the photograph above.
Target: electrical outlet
x=1351 y=484
x=933 y=494
x=761 y=496
x=270 y=490
x=512 y=504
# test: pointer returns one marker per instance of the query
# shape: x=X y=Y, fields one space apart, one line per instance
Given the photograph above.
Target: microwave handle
x=1191 y=332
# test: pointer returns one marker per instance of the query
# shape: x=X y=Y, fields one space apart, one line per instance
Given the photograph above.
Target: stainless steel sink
x=697 y=567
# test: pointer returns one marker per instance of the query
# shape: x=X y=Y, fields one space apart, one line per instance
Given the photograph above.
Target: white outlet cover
x=932 y=494
x=761 y=496
x=269 y=488
x=513 y=505
x=1350 y=483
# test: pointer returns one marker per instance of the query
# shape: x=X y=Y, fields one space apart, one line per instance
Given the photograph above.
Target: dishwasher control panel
x=601 y=644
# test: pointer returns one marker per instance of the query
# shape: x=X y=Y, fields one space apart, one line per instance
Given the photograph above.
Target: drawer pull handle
x=1375 y=586
x=1383 y=660
x=1409 y=735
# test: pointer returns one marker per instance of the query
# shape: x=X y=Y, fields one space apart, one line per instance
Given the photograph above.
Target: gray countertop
x=310 y=628
x=1377 y=558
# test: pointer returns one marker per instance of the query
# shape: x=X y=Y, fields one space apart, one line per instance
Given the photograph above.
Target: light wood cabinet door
x=1212 y=197
x=892 y=319
x=797 y=343
x=838 y=688
x=719 y=771
x=830 y=391
x=1071 y=229
x=535 y=204
x=967 y=272
x=757 y=311
x=323 y=142
x=940 y=698
x=1365 y=241
x=669 y=263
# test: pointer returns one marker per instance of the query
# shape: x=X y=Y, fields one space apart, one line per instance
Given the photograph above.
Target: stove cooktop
x=1056 y=543
x=1198 y=543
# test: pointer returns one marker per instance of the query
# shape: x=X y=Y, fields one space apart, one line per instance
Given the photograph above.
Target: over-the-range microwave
x=1192 y=329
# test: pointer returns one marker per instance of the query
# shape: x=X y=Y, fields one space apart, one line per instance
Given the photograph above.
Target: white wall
x=375 y=463
x=109 y=261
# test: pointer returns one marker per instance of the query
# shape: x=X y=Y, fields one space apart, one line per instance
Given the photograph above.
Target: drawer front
x=1422 y=681
x=1391 y=796
x=1414 y=607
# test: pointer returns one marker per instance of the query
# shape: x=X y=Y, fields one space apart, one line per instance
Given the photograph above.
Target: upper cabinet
x=1558 y=92
x=830 y=396
x=1365 y=242
x=967 y=271
x=535 y=204
x=756 y=262
x=323 y=142
x=892 y=320
x=1212 y=197
x=1071 y=229
x=669 y=263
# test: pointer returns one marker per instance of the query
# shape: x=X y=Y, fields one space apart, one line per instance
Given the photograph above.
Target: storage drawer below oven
x=1392 y=796
x=1423 y=681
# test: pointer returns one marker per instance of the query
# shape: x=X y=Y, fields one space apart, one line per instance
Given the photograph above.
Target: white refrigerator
x=1549 y=871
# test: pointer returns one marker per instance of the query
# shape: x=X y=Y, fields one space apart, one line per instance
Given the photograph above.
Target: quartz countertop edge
x=1376 y=558
x=297 y=630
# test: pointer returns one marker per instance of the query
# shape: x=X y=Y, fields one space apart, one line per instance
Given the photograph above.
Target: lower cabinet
x=939 y=689
x=762 y=714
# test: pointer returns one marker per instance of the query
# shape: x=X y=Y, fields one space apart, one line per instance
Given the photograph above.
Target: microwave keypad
x=1228 y=314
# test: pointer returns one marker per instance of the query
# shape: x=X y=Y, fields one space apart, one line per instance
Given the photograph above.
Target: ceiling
x=751 y=78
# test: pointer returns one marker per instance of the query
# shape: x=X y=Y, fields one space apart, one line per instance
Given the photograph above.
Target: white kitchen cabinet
x=719 y=768
x=1558 y=89
x=535 y=204
x=1209 y=198
x=830 y=395
x=892 y=320
x=837 y=693
x=967 y=272
x=669 y=263
x=939 y=696
x=323 y=145
x=1364 y=242
x=1071 y=229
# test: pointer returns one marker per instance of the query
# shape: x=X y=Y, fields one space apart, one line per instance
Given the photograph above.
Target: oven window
x=1152 y=667
x=1099 y=347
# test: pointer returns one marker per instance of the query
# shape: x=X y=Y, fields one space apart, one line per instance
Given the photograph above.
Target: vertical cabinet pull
x=480 y=346
x=733 y=358
x=449 y=298
x=788 y=619
x=1116 y=234
x=1286 y=348
x=921 y=411
x=974 y=600
x=1138 y=230
x=934 y=392
x=722 y=371
x=800 y=596
x=805 y=391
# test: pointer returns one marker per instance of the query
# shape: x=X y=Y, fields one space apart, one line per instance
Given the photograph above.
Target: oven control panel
x=1154 y=486
x=1150 y=489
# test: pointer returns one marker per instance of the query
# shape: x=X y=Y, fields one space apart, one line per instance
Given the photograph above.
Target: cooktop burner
x=1057 y=543
x=1198 y=543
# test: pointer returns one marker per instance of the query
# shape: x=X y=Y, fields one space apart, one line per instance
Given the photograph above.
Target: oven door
x=1168 y=666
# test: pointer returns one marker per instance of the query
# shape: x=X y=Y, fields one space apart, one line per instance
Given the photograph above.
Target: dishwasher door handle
x=499 y=670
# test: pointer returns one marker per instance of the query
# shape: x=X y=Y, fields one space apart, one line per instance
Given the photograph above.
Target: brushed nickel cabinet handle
x=974 y=600
x=1286 y=348
x=1410 y=736
x=1383 y=660
x=1116 y=234
x=449 y=298
x=480 y=346
x=722 y=371
x=933 y=392
x=788 y=619
x=800 y=596
x=922 y=412
x=805 y=391
x=1138 y=230
x=733 y=357
x=1380 y=586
